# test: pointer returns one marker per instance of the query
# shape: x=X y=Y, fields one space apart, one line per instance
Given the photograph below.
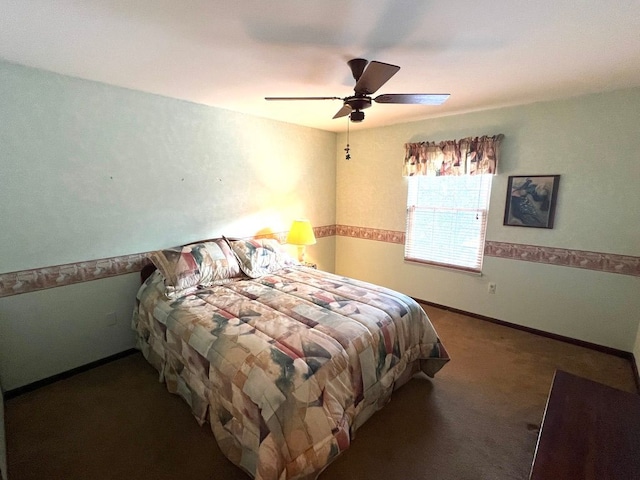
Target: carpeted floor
x=478 y=419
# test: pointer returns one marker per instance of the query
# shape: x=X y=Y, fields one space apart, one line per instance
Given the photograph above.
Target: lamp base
x=301 y=253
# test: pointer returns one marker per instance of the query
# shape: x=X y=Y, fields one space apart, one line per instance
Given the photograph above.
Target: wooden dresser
x=590 y=431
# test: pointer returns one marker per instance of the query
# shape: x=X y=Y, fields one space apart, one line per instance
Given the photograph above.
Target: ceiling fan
x=370 y=76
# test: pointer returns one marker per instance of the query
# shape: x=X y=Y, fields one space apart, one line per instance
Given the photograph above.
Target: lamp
x=301 y=234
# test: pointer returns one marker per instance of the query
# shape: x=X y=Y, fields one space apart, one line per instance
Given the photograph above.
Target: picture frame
x=531 y=201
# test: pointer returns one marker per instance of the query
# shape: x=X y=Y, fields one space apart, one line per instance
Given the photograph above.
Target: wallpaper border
x=25 y=281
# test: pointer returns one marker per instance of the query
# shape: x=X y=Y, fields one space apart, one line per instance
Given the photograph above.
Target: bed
x=284 y=361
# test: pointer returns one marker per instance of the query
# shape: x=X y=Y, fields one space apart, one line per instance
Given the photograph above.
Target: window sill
x=445 y=266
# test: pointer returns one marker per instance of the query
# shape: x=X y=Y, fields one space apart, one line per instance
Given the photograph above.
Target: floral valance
x=468 y=156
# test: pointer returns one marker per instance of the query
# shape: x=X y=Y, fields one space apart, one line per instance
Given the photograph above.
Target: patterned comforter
x=285 y=367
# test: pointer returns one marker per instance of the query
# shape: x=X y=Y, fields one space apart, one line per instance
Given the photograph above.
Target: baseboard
x=9 y=394
x=574 y=341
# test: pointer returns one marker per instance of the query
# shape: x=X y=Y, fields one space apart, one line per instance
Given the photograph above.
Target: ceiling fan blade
x=343 y=112
x=302 y=98
x=413 y=98
x=375 y=75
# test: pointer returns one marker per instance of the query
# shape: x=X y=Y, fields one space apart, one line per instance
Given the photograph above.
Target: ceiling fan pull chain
x=347 y=155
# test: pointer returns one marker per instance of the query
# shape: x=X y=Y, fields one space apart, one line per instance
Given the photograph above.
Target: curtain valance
x=468 y=156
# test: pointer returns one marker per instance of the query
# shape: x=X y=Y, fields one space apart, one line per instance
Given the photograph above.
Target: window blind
x=447 y=219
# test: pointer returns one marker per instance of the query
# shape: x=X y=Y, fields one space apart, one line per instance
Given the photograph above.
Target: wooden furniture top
x=589 y=431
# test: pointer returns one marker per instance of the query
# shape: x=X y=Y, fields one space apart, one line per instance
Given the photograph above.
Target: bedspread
x=285 y=367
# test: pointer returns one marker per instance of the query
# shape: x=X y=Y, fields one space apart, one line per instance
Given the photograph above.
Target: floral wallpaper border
x=25 y=281
x=602 y=262
x=389 y=236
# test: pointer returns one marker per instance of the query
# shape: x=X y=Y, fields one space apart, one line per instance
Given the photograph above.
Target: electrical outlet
x=491 y=288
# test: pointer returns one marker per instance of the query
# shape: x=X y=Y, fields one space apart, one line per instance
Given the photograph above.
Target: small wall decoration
x=531 y=200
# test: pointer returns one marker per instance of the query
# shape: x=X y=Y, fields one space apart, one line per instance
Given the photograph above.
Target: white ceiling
x=231 y=54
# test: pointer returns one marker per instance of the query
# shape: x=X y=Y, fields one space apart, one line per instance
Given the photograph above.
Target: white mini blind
x=447 y=219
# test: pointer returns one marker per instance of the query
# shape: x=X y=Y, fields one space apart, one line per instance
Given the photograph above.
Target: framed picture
x=531 y=200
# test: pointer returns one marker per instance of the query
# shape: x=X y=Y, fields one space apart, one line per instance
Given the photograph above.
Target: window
x=447 y=219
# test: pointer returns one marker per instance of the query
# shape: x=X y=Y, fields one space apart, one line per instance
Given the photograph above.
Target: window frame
x=481 y=209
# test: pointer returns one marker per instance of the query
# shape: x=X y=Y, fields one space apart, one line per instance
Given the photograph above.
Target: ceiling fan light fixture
x=356 y=116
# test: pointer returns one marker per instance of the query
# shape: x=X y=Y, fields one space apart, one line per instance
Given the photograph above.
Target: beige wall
x=591 y=141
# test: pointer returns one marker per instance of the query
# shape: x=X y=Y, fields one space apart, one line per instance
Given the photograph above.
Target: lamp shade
x=301 y=233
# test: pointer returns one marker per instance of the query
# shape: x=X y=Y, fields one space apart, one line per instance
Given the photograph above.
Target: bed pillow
x=196 y=265
x=260 y=257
